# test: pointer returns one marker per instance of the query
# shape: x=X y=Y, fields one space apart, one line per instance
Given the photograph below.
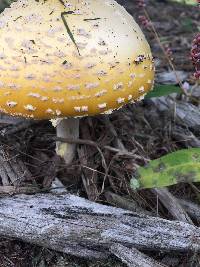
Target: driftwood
x=183 y=112
x=133 y=257
x=191 y=208
x=172 y=204
x=79 y=227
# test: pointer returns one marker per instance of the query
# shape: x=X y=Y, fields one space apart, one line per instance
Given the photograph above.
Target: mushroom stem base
x=67 y=128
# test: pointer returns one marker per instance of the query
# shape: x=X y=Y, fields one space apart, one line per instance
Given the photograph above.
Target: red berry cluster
x=195 y=54
x=144 y=21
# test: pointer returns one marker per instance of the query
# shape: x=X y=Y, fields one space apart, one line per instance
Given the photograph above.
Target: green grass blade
x=180 y=166
x=63 y=14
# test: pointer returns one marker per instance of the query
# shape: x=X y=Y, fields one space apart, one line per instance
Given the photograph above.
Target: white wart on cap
x=71 y=58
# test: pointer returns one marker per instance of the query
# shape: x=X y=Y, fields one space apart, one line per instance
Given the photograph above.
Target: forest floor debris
x=129 y=138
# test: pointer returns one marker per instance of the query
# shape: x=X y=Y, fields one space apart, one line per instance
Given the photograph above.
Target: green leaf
x=180 y=166
x=162 y=90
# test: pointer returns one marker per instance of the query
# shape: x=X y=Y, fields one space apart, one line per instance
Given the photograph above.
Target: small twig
x=83 y=142
x=117 y=142
x=106 y=173
x=124 y=203
x=93 y=170
x=171 y=203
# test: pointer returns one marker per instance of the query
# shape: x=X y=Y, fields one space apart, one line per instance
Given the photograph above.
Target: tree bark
x=76 y=226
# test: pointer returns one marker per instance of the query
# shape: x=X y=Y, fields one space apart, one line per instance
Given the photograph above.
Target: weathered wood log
x=133 y=257
x=191 y=208
x=76 y=226
x=172 y=204
x=183 y=112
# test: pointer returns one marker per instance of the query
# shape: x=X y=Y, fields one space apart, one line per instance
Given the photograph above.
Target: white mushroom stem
x=67 y=128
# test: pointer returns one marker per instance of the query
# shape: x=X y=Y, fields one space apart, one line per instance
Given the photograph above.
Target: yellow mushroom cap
x=71 y=58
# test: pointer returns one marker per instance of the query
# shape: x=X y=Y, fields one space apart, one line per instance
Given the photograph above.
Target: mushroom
x=67 y=59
